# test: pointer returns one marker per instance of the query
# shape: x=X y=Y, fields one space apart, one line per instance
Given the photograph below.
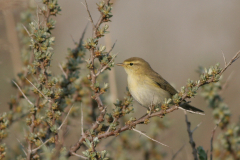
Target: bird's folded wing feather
x=162 y=83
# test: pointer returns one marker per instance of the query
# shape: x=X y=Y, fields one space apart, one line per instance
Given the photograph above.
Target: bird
x=149 y=88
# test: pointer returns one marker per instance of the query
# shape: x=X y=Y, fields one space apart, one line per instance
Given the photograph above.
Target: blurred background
x=175 y=37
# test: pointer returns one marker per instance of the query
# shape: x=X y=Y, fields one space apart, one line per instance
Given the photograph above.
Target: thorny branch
x=94 y=76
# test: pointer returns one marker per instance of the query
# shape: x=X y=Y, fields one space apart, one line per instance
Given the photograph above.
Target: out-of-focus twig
x=65 y=118
x=237 y=55
x=175 y=155
x=213 y=132
x=23 y=94
x=225 y=85
x=191 y=141
x=23 y=148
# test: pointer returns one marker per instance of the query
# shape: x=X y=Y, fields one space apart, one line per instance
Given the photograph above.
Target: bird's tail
x=187 y=107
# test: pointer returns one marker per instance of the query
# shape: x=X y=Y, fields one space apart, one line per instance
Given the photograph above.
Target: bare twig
x=37 y=12
x=35 y=149
x=73 y=40
x=237 y=55
x=225 y=85
x=175 y=155
x=26 y=30
x=106 y=66
x=213 y=132
x=64 y=73
x=82 y=37
x=196 y=127
x=89 y=14
x=80 y=156
x=82 y=120
x=112 y=47
x=38 y=90
x=149 y=137
x=23 y=148
x=224 y=58
x=23 y=94
x=65 y=119
x=191 y=141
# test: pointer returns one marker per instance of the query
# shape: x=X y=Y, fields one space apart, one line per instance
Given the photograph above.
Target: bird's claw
x=149 y=111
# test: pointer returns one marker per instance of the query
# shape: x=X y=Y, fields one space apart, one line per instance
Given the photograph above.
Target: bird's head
x=135 y=65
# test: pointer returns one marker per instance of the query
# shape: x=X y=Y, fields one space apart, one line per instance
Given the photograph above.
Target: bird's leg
x=151 y=107
x=150 y=110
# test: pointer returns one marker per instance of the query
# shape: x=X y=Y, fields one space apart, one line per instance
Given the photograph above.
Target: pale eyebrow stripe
x=134 y=62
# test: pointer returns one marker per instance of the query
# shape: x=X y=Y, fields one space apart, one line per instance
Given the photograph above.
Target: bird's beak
x=120 y=64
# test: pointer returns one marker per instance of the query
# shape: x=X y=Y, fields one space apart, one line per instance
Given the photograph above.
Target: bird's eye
x=131 y=64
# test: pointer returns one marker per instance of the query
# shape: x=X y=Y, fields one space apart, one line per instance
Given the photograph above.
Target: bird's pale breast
x=145 y=91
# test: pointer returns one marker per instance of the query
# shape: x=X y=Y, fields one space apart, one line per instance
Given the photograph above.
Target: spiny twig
x=237 y=55
x=191 y=141
x=149 y=137
x=225 y=85
x=23 y=93
x=38 y=90
x=80 y=156
x=196 y=127
x=89 y=14
x=224 y=58
x=106 y=66
x=26 y=30
x=64 y=73
x=35 y=149
x=65 y=118
x=175 y=155
x=23 y=148
x=112 y=47
x=82 y=121
x=213 y=132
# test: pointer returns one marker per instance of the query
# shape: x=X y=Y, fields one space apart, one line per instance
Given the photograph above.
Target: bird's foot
x=149 y=111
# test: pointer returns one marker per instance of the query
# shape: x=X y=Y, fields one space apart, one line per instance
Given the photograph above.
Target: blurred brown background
x=175 y=37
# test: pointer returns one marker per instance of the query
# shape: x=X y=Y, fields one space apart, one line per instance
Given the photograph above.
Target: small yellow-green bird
x=148 y=87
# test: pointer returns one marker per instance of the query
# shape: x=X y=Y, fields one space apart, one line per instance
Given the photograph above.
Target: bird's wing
x=162 y=83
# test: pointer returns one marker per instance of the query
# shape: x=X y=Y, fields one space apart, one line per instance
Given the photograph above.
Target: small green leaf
x=201 y=153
